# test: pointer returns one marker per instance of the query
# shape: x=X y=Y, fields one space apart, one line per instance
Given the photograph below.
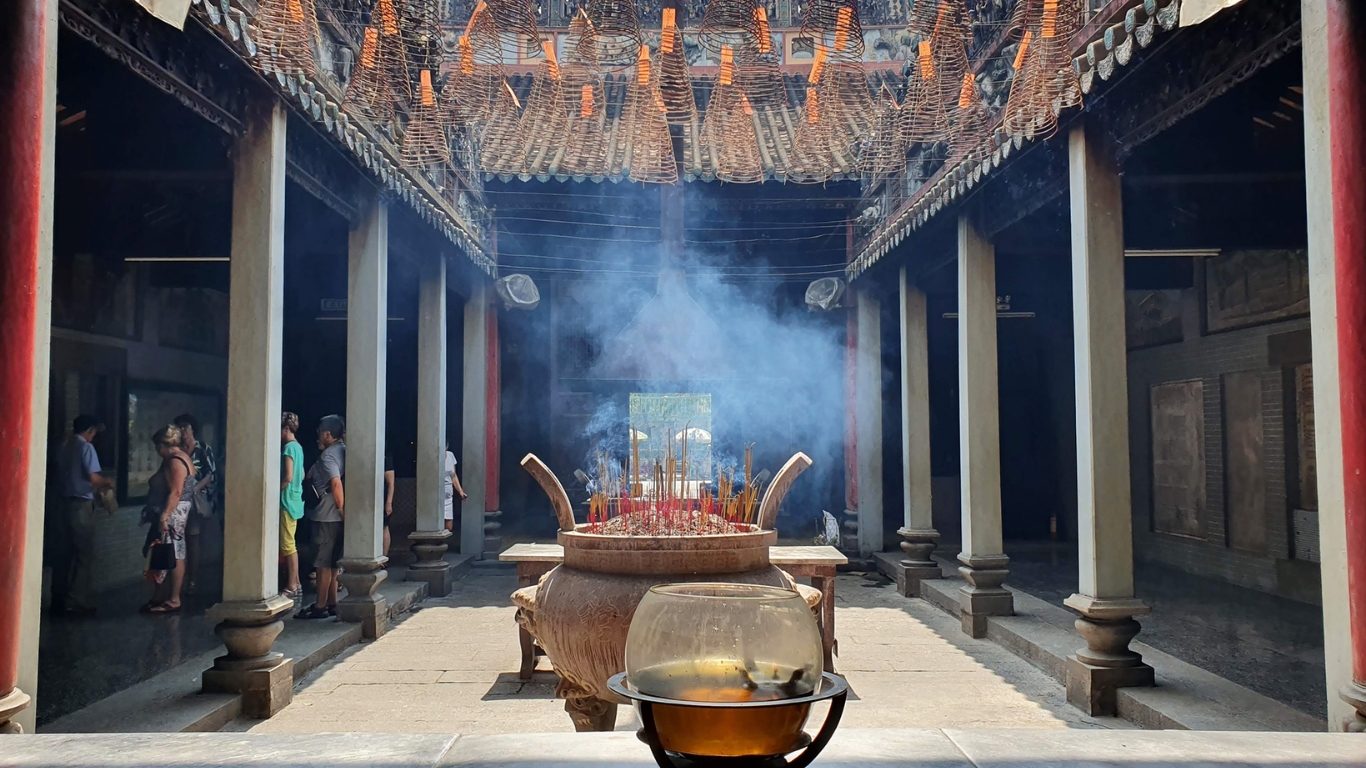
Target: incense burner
x=727 y=673
x=581 y=611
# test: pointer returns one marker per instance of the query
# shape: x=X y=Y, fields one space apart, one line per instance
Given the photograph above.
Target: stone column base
x=12 y=704
x=983 y=596
x=362 y=603
x=1095 y=673
x=918 y=544
x=264 y=691
x=263 y=677
x=429 y=547
x=1355 y=694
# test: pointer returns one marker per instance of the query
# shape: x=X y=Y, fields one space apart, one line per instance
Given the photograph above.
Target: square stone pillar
x=474 y=450
x=1105 y=547
x=250 y=615
x=1334 y=105
x=429 y=539
x=983 y=558
x=367 y=337
x=917 y=532
x=28 y=107
x=868 y=422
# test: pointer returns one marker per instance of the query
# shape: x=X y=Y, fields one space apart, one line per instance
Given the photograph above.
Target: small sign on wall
x=333 y=305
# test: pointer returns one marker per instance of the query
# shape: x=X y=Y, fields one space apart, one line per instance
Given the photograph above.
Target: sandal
x=163 y=609
x=293 y=594
x=148 y=606
x=312 y=612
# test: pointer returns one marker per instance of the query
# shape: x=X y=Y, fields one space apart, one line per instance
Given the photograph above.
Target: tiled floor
x=1269 y=644
x=452 y=668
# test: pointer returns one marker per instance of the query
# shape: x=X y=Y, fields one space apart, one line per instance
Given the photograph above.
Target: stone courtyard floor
x=451 y=667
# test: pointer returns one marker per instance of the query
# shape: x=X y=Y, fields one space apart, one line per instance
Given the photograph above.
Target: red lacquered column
x=1347 y=119
x=26 y=64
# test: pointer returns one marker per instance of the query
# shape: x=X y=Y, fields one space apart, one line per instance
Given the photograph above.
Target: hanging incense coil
x=672 y=78
x=833 y=26
x=585 y=150
x=1045 y=82
x=740 y=25
x=368 y=94
x=393 y=56
x=730 y=135
x=652 y=151
x=287 y=30
x=517 y=18
x=616 y=31
x=968 y=133
x=424 y=141
x=544 y=119
x=476 y=74
x=837 y=115
x=932 y=88
x=500 y=143
x=420 y=30
x=884 y=150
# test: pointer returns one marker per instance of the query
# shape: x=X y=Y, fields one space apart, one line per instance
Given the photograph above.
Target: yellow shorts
x=288 y=526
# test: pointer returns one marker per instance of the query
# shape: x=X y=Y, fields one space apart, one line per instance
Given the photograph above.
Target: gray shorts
x=327 y=540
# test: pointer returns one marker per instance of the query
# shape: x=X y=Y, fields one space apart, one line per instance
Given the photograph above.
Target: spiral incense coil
x=672 y=78
x=420 y=30
x=884 y=150
x=969 y=125
x=617 y=32
x=393 y=55
x=833 y=26
x=729 y=133
x=761 y=79
x=476 y=74
x=933 y=19
x=585 y=150
x=287 y=30
x=839 y=112
x=1045 y=82
x=501 y=151
x=544 y=121
x=741 y=25
x=652 y=150
x=368 y=93
x=517 y=17
x=424 y=141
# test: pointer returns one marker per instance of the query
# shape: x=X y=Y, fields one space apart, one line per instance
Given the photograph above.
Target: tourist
x=291 y=502
x=450 y=485
x=168 y=507
x=203 y=501
x=388 y=498
x=326 y=478
x=78 y=474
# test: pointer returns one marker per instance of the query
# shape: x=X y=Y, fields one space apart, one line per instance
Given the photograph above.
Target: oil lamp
x=725 y=675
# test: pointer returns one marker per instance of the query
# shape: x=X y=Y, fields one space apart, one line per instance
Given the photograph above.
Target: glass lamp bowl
x=725 y=644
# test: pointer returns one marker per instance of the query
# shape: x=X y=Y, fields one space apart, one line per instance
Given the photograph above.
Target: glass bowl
x=725 y=643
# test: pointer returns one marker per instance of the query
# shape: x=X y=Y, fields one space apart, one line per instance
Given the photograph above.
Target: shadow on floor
x=1269 y=644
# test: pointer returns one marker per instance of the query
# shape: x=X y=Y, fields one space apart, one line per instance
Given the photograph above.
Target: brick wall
x=1208 y=358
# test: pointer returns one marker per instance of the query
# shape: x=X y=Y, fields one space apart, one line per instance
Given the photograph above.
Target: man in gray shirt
x=79 y=479
x=326 y=477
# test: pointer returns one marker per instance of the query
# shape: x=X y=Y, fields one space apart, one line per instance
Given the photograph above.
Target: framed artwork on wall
x=149 y=406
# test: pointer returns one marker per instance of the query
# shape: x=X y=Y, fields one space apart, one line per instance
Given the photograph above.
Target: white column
x=429 y=540
x=475 y=415
x=868 y=423
x=1319 y=136
x=918 y=533
x=1105 y=547
x=983 y=559
x=367 y=321
x=252 y=606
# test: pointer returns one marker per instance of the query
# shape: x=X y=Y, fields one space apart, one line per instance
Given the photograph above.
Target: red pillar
x=25 y=69
x=1347 y=116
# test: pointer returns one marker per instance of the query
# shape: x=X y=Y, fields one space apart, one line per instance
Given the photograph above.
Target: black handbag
x=162 y=557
